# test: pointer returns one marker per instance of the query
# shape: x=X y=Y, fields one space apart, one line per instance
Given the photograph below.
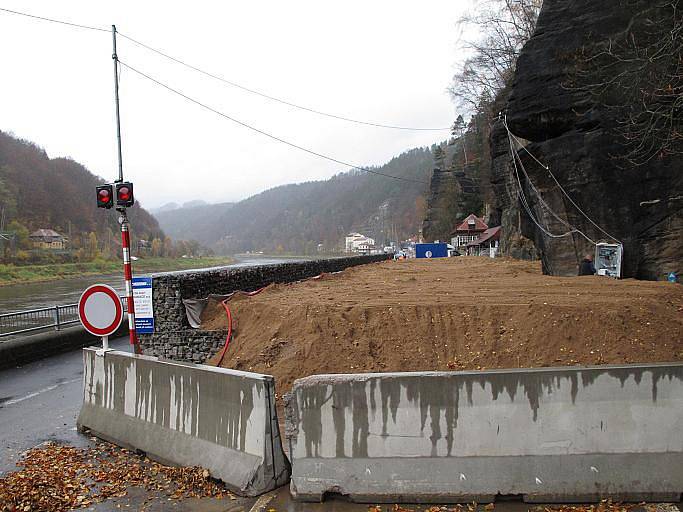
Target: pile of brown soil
x=449 y=314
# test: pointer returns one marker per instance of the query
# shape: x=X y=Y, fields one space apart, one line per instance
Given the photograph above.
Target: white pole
x=105 y=342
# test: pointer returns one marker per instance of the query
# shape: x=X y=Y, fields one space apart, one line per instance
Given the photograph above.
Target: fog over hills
x=296 y=218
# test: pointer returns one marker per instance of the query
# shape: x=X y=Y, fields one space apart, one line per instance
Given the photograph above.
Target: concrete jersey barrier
x=548 y=435
x=189 y=415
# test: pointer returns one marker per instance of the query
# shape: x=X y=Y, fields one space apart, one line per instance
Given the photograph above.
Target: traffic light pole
x=115 y=58
x=128 y=276
x=123 y=219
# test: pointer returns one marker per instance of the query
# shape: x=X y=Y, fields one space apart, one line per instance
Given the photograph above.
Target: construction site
x=467 y=313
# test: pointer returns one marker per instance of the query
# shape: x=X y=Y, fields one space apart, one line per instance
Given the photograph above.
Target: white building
x=355 y=242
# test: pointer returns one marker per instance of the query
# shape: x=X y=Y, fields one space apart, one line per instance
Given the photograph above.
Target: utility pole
x=123 y=218
x=115 y=58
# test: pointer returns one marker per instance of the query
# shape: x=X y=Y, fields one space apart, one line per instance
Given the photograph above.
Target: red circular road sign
x=100 y=310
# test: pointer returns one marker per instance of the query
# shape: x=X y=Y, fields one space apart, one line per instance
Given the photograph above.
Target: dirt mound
x=449 y=314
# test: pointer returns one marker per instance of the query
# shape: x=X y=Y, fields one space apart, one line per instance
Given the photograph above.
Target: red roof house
x=483 y=245
x=468 y=230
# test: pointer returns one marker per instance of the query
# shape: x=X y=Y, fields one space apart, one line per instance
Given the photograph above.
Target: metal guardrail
x=52 y=317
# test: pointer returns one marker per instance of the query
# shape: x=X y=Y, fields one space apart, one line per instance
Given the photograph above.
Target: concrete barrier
x=547 y=435
x=187 y=414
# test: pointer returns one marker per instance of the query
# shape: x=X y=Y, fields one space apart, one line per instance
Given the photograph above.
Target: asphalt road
x=40 y=401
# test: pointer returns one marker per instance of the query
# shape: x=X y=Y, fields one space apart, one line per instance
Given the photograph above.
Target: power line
x=262 y=132
x=52 y=20
x=226 y=81
x=527 y=207
x=273 y=98
x=547 y=168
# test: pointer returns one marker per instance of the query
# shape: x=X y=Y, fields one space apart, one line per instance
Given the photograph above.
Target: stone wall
x=174 y=338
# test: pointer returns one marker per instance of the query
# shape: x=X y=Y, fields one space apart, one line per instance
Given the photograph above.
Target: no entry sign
x=100 y=310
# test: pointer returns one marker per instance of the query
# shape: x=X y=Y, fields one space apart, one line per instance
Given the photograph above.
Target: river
x=67 y=291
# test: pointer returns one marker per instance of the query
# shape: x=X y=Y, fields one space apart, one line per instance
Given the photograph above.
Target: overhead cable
x=529 y=210
x=527 y=207
x=273 y=98
x=226 y=81
x=547 y=168
x=52 y=20
x=262 y=132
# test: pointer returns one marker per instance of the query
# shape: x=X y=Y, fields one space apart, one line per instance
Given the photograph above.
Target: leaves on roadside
x=58 y=478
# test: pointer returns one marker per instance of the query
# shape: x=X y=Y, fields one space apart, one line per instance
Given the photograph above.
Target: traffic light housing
x=124 y=194
x=105 y=196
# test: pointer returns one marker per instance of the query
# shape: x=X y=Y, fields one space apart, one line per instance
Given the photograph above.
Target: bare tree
x=504 y=26
x=638 y=77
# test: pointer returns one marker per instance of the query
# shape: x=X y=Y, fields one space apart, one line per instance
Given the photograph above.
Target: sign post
x=100 y=312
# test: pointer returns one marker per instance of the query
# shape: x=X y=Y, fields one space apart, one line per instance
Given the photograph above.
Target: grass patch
x=14 y=274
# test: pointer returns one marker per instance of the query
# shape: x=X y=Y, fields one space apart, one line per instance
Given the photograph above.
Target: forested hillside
x=39 y=192
x=296 y=218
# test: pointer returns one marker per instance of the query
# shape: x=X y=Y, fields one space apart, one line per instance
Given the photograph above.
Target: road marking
x=39 y=392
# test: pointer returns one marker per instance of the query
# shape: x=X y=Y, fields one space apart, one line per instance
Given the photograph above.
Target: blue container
x=431 y=250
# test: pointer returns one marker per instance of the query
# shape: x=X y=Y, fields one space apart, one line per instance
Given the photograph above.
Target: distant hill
x=164 y=208
x=296 y=218
x=57 y=193
x=192 y=222
x=174 y=206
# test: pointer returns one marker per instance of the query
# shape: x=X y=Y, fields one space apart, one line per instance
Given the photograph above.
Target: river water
x=67 y=291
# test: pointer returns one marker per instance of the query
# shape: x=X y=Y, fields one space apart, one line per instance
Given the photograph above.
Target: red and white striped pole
x=125 y=234
x=128 y=276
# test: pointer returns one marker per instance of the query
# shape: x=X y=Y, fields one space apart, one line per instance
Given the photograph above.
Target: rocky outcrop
x=567 y=129
x=452 y=196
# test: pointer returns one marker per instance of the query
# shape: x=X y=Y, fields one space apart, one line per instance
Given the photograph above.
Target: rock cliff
x=567 y=128
x=451 y=195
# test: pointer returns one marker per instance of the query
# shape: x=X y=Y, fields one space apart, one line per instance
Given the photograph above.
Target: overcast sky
x=384 y=61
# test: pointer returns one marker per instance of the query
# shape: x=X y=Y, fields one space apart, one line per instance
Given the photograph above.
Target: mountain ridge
x=297 y=217
x=37 y=191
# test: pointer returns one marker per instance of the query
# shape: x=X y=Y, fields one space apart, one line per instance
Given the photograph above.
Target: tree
x=91 y=249
x=8 y=201
x=168 y=247
x=156 y=247
x=504 y=26
x=637 y=77
x=439 y=156
x=193 y=247
x=21 y=232
x=458 y=132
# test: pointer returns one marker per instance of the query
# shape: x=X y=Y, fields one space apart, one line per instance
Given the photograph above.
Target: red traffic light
x=105 y=196
x=124 y=194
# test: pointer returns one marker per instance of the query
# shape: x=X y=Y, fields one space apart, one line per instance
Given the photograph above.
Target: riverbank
x=15 y=274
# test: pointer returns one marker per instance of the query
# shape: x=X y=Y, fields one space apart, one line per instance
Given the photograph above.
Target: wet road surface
x=40 y=401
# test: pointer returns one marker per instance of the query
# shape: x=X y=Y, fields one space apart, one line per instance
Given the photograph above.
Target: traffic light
x=124 y=194
x=105 y=196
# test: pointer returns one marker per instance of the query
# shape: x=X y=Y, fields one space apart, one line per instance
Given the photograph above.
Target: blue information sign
x=142 y=297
